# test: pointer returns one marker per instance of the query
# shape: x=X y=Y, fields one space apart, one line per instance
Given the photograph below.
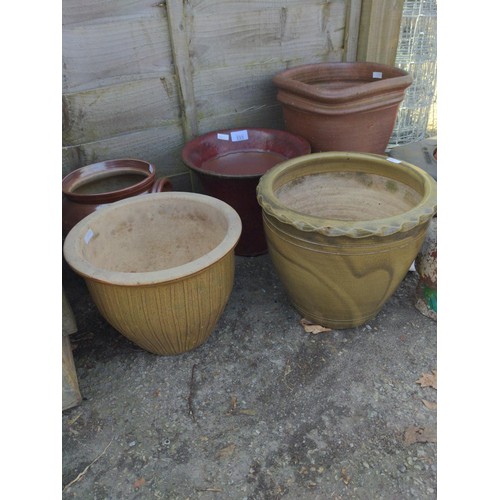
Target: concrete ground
x=262 y=410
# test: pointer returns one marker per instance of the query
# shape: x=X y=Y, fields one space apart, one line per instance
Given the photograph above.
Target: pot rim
x=302 y=144
x=368 y=162
x=103 y=168
x=290 y=80
x=83 y=232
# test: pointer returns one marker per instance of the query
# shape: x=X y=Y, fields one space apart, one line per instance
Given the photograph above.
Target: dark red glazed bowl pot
x=229 y=164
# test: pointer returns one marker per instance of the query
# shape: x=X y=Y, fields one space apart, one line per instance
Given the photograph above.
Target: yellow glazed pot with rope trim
x=343 y=229
x=160 y=268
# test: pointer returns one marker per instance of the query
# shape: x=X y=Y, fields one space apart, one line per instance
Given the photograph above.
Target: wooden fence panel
x=140 y=77
x=118 y=109
x=235 y=52
x=81 y=11
x=303 y=33
x=160 y=146
x=106 y=53
x=379 y=30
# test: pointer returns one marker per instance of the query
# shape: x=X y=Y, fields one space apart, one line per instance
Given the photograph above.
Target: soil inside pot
x=242 y=162
x=113 y=181
x=146 y=239
x=349 y=196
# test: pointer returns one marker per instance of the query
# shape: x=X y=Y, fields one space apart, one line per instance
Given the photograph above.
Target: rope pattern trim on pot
x=384 y=227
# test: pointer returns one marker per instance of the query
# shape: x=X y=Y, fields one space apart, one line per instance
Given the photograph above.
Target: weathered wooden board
x=269 y=116
x=222 y=7
x=79 y=11
x=107 y=53
x=351 y=31
x=177 y=22
x=379 y=30
x=236 y=50
x=307 y=32
x=71 y=395
x=227 y=91
x=118 y=109
x=160 y=146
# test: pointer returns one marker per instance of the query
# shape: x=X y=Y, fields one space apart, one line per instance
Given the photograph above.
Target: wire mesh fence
x=417 y=54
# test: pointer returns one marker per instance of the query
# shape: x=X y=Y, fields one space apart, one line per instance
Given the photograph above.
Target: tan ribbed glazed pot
x=342 y=106
x=343 y=229
x=160 y=268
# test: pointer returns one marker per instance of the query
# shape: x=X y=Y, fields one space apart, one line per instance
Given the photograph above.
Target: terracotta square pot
x=342 y=106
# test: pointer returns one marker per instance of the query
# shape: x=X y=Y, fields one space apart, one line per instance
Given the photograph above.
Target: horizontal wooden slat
x=269 y=116
x=101 y=113
x=161 y=146
x=224 y=7
x=234 y=89
x=97 y=55
x=78 y=11
x=267 y=36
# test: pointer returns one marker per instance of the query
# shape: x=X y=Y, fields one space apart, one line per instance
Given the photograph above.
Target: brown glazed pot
x=229 y=164
x=94 y=186
x=342 y=106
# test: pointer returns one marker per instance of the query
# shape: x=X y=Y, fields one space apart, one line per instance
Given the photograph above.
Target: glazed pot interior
x=106 y=182
x=108 y=177
x=154 y=237
x=348 y=196
x=256 y=154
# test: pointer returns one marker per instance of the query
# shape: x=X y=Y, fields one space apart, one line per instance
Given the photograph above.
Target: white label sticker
x=377 y=74
x=88 y=236
x=394 y=160
x=223 y=137
x=240 y=135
